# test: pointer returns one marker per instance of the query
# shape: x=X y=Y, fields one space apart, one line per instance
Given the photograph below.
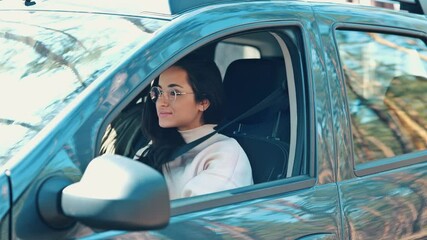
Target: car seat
x=264 y=135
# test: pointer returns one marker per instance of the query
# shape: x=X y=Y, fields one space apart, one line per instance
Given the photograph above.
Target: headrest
x=249 y=81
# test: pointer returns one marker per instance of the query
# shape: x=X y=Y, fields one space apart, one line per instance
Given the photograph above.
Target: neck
x=195 y=133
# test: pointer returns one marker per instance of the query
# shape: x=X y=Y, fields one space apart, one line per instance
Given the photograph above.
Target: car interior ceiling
x=263 y=134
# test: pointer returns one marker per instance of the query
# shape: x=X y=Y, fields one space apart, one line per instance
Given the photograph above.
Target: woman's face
x=184 y=113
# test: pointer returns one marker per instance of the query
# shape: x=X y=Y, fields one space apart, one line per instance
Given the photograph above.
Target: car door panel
x=299 y=214
x=389 y=205
x=294 y=215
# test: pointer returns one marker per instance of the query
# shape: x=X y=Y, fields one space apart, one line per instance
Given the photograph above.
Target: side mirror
x=115 y=192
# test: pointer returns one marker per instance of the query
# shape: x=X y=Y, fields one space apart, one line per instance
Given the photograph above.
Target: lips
x=163 y=114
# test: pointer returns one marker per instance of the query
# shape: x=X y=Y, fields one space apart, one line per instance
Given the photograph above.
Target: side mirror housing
x=118 y=193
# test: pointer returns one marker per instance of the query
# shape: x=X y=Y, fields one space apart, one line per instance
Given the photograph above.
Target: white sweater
x=217 y=164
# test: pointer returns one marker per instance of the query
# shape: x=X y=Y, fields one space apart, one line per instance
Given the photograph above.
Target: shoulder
x=223 y=140
x=224 y=145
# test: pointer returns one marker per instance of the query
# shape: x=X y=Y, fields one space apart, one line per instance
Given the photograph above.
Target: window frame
x=382 y=164
x=285 y=185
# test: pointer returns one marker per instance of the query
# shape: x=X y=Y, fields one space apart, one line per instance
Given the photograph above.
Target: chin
x=166 y=125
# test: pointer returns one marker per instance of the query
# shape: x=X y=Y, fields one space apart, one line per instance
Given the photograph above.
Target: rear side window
x=386 y=84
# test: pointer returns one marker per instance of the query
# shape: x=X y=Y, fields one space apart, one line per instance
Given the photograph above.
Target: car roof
x=166 y=8
x=132 y=7
x=121 y=7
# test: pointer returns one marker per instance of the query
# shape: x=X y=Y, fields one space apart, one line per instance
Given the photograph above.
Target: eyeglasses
x=156 y=92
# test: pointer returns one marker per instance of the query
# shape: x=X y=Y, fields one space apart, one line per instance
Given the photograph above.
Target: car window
x=47 y=59
x=248 y=79
x=386 y=83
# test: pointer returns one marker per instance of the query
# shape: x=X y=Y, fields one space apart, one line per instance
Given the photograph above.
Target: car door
x=381 y=123
x=303 y=205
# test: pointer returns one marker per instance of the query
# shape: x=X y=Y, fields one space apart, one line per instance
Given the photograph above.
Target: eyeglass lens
x=157 y=92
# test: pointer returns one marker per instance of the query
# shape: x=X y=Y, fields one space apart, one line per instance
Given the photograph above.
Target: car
x=327 y=100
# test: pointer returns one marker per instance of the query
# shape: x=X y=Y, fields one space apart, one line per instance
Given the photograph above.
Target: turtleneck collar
x=195 y=133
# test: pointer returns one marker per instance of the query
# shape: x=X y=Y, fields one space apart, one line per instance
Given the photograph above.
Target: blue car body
x=333 y=197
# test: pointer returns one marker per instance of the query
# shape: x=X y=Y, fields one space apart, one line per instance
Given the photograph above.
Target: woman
x=186 y=104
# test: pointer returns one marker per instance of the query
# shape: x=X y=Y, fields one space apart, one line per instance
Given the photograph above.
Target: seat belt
x=266 y=102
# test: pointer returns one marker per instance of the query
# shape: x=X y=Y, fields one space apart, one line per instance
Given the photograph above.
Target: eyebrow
x=173 y=85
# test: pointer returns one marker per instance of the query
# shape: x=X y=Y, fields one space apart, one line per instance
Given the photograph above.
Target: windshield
x=48 y=58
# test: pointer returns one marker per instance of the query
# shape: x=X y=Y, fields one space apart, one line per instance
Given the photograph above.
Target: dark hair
x=205 y=80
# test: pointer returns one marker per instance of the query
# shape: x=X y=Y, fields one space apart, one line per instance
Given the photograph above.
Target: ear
x=204 y=104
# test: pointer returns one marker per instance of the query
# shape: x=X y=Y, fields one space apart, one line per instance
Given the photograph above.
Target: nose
x=163 y=100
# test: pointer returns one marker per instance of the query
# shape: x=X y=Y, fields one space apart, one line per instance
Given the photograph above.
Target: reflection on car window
x=386 y=84
x=48 y=58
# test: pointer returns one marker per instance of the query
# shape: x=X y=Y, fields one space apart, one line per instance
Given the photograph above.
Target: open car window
x=273 y=138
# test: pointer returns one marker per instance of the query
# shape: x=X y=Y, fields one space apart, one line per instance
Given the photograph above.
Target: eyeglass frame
x=171 y=98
